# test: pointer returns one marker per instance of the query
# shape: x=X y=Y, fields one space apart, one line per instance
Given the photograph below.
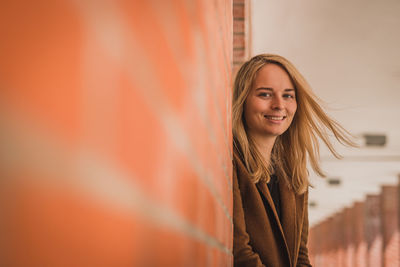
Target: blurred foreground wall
x=115 y=145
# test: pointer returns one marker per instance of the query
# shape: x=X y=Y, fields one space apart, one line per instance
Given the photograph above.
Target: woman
x=276 y=125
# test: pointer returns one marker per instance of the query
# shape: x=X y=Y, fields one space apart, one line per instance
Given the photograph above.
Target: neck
x=264 y=144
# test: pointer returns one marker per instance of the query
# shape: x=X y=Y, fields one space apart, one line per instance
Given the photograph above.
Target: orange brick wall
x=116 y=133
x=363 y=235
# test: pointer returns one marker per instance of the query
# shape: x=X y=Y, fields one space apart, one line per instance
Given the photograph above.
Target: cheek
x=253 y=106
x=250 y=115
x=248 y=108
x=293 y=108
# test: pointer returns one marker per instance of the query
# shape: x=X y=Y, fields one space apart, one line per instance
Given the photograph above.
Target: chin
x=275 y=133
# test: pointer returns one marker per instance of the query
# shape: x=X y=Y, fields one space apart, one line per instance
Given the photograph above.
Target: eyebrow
x=270 y=89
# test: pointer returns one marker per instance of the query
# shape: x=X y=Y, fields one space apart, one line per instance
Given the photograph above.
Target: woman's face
x=271 y=104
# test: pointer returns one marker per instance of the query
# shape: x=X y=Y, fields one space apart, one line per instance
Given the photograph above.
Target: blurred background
x=115 y=145
x=348 y=52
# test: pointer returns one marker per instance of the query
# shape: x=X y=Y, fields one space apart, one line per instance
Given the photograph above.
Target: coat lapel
x=262 y=186
x=288 y=216
x=264 y=190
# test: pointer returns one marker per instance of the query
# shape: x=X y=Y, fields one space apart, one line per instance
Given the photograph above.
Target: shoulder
x=242 y=180
x=302 y=198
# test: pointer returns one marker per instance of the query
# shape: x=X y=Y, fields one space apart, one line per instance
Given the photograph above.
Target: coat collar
x=292 y=211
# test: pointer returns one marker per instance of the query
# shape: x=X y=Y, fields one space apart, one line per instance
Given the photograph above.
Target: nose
x=277 y=103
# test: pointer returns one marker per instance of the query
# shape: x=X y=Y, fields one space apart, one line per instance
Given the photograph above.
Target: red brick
x=238 y=10
x=238 y=54
x=373 y=226
x=390 y=225
x=236 y=67
x=239 y=26
x=155 y=114
x=54 y=226
x=50 y=92
x=359 y=235
x=238 y=41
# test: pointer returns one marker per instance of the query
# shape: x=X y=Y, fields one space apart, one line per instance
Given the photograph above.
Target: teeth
x=275 y=118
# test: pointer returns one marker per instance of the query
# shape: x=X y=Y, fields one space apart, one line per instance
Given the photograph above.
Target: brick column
x=373 y=234
x=359 y=235
x=324 y=243
x=241 y=33
x=327 y=241
x=349 y=237
x=315 y=245
x=337 y=237
x=390 y=225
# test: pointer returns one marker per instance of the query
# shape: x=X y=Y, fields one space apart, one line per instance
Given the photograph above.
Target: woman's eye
x=288 y=96
x=265 y=94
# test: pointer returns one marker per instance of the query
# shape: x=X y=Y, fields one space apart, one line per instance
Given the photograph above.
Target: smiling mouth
x=275 y=118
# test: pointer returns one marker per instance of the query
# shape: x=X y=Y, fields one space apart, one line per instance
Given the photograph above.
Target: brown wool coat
x=260 y=239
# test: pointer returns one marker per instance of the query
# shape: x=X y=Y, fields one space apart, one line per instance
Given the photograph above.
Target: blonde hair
x=299 y=143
